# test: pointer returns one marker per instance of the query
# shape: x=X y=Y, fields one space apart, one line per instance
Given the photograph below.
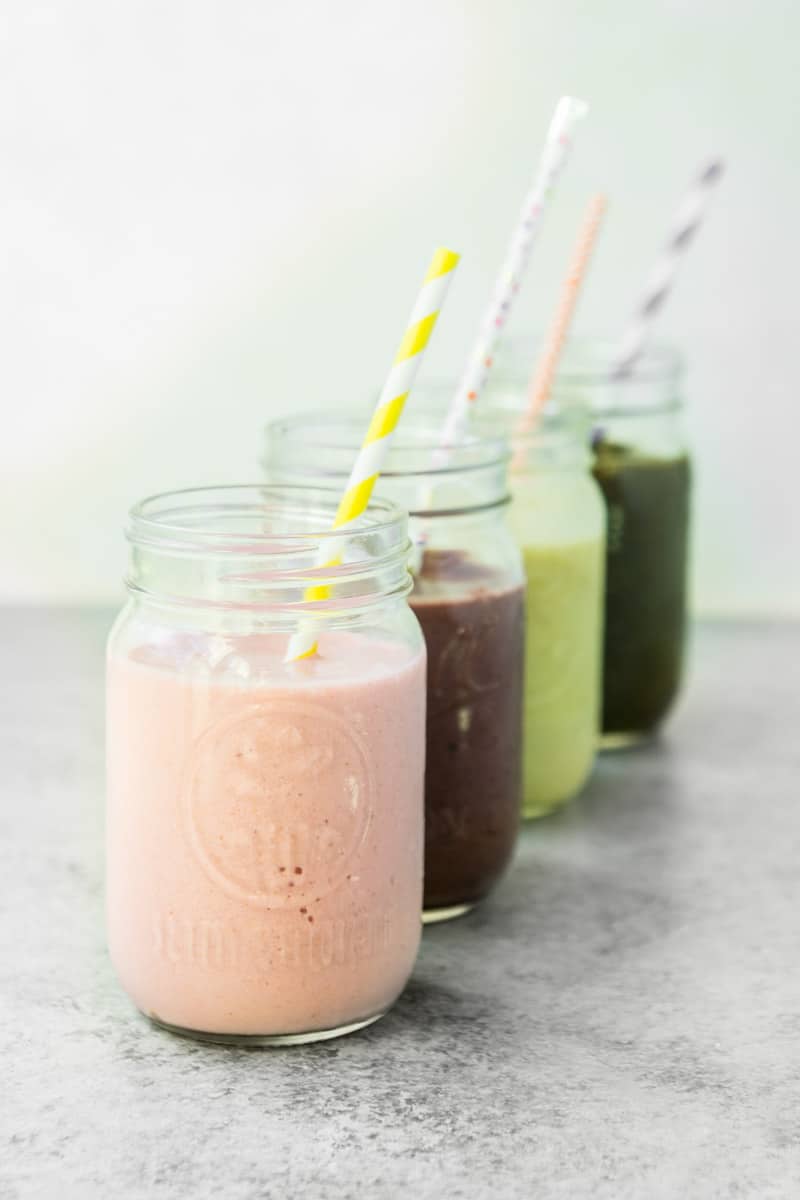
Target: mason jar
x=558 y=519
x=264 y=816
x=468 y=596
x=641 y=464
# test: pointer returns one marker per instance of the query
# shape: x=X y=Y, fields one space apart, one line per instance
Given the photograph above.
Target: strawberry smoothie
x=264 y=829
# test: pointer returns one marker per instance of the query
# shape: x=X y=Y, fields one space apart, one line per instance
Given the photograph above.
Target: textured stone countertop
x=621 y=1019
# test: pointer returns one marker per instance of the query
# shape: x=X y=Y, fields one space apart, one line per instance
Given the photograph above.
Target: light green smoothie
x=562 y=671
x=558 y=520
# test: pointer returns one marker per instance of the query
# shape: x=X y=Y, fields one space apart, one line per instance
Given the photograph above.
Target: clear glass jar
x=558 y=519
x=469 y=598
x=641 y=463
x=264 y=817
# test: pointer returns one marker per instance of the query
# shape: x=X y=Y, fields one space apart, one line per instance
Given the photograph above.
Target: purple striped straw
x=687 y=221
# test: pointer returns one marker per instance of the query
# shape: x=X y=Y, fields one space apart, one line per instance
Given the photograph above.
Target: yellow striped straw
x=375 y=446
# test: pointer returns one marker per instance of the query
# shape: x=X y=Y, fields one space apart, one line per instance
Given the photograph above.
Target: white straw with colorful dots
x=558 y=144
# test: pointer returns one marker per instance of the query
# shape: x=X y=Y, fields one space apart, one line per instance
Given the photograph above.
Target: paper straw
x=558 y=144
x=544 y=373
x=687 y=221
x=375 y=446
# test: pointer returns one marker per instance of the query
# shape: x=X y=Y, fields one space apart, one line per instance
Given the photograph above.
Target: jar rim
x=153 y=520
x=266 y=547
x=588 y=359
x=416 y=448
x=565 y=425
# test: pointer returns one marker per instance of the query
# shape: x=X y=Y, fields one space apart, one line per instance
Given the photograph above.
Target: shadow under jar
x=641 y=463
x=264 y=831
x=468 y=596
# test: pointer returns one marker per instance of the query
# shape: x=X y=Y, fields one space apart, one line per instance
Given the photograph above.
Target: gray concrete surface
x=622 y=1019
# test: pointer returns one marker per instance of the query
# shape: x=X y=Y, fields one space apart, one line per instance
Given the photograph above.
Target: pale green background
x=216 y=212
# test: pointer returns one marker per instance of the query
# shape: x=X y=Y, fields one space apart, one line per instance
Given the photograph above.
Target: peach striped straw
x=372 y=455
x=545 y=370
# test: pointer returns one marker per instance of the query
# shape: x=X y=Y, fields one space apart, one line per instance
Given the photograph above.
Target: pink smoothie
x=265 y=830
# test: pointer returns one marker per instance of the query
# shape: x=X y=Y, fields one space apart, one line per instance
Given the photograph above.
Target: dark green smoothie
x=647 y=502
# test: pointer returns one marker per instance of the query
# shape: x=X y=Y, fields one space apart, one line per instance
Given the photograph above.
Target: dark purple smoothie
x=473 y=624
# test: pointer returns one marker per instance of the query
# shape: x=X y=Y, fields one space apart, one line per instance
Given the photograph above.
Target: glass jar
x=469 y=599
x=264 y=816
x=558 y=519
x=641 y=463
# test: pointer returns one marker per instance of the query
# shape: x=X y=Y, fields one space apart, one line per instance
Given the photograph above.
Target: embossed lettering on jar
x=265 y=817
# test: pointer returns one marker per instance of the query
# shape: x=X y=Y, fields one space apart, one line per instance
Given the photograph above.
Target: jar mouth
x=416 y=449
x=585 y=379
x=589 y=360
x=254 y=520
x=558 y=440
x=555 y=425
x=263 y=546
x=425 y=477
